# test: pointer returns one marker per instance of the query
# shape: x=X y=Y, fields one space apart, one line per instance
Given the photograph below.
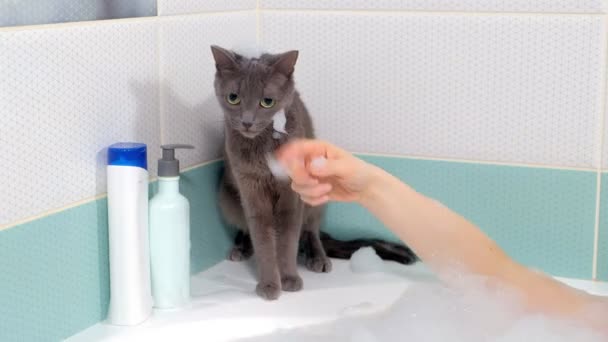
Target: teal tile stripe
x=602 y=257
x=54 y=271
x=54 y=276
x=210 y=239
x=543 y=218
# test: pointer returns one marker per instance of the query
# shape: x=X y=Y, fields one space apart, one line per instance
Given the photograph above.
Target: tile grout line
x=596 y=227
x=159 y=70
x=257 y=24
x=401 y=11
x=259 y=9
x=395 y=156
x=475 y=161
x=133 y=20
x=161 y=78
x=600 y=139
x=89 y=200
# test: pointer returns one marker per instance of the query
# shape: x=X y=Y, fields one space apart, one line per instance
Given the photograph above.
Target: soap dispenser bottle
x=169 y=235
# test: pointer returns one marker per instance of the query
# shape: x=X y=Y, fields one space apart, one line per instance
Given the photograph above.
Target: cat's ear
x=224 y=59
x=286 y=63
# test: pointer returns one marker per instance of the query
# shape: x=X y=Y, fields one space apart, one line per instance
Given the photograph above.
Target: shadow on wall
x=141 y=92
x=211 y=238
x=113 y=9
x=35 y=12
x=200 y=124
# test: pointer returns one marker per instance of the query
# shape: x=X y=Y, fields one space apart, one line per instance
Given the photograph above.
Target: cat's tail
x=386 y=250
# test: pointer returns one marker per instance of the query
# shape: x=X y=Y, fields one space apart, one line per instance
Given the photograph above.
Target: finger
x=331 y=167
x=312 y=191
x=301 y=149
x=315 y=201
x=299 y=174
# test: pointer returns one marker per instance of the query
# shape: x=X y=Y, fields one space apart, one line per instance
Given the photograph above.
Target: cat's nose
x=247 y=119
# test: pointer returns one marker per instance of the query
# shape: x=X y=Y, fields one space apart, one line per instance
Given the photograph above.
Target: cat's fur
x=272 y=220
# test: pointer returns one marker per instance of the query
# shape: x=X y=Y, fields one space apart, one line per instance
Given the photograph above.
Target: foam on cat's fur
x=279 y=121
x=365 y=260
x=276 y=168
x=280 y=172
x=248 y=50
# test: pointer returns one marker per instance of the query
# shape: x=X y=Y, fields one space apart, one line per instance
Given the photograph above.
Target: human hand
x=321 y=172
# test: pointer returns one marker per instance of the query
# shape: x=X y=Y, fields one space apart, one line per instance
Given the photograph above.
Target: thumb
x=322 y=167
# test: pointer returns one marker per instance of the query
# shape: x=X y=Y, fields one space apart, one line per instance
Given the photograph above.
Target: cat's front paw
x=292 y=283
x=319 y=264
x=269 y=290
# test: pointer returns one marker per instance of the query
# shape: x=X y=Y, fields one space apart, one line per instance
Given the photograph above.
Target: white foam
x=365 y=260
x=432 y=312
x=276 y=168
x=248 y=50
x=318 y=162
x=279 y=120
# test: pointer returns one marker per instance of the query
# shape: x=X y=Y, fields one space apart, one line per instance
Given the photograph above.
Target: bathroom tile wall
x=523 y=89
x=542 y=217
x=439 y=80
x=463 y=106
x=66 y=93
x=54 y=274
x=54 y=270
x=189 y=108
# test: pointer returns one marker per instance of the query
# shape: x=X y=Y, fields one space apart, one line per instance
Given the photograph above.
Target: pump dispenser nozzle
x=168 y=166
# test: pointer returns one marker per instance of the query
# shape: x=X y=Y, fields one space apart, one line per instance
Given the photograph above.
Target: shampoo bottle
x=170 y=235
x=130 y=291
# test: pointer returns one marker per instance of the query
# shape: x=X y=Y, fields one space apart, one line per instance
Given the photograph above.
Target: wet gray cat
x=271 y=218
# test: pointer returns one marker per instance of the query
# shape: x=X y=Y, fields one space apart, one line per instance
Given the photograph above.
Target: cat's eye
x=267 y=102
x=233 y=99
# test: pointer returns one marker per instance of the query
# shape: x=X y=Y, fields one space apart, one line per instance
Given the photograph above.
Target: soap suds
x=318 y=162
x=276 y=168
x=365 y=260
x=278 y=124
x=434 y=312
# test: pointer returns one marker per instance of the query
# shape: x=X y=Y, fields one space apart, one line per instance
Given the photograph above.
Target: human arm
x=443 y=239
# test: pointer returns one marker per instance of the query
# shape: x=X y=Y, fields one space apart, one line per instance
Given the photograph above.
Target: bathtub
x=224 y=307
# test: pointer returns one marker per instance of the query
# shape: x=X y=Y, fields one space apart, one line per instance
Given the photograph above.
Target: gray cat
x=272 y=220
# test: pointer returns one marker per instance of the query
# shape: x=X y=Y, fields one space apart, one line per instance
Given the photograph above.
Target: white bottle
x=170 y=235
x=130 y=288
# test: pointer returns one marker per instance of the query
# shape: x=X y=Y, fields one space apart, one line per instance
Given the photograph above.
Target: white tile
x=66 y=93
x=172 y=7
x=509 y=88
x=604 y=154
x=190 y=111
x=541 y=6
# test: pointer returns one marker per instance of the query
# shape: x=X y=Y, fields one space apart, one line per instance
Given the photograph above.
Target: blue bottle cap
x=128 y=154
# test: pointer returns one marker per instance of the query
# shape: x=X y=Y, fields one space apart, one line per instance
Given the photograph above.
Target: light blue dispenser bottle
x=170 y=235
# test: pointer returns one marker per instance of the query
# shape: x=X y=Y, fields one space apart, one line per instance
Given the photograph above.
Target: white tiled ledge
x=223 y=298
